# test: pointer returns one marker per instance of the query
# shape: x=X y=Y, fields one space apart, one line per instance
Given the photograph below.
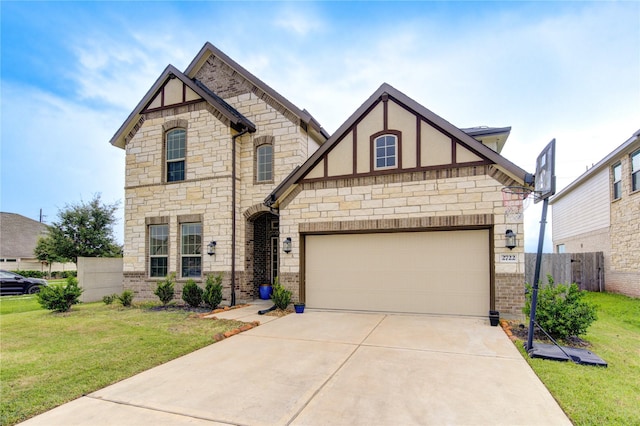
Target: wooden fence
x=584 y=269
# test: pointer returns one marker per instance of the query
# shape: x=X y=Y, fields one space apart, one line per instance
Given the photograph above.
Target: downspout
x=233 y=215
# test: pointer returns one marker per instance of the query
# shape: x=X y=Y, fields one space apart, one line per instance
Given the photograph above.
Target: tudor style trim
x=382 y=94
x=133 y=121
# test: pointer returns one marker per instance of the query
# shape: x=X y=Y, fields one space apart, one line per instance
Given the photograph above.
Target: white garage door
x=441 y=272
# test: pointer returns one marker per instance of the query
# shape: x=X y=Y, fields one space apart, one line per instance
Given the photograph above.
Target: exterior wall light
x=286 y=245
x=211 y=248
x=510 y=239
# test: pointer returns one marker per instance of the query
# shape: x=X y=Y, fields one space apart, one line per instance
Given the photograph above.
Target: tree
x=46 y=252
x=83 y=230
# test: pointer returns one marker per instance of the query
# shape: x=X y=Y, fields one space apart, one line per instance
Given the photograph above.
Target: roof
x=237 y=120
x=501 y=162
x=609 y=159
x=19 y=236
x=209 y=49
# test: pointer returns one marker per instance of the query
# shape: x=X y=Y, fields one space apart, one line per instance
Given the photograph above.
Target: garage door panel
x=442 y=272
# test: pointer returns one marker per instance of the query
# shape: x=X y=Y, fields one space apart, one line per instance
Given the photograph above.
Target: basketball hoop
x=515 y=200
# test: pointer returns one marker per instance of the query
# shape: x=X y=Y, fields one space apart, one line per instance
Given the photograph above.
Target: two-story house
x=600 y=211
x=398 y=210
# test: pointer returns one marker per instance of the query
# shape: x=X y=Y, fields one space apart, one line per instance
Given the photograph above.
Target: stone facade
x=398 y=203
x=206 y=189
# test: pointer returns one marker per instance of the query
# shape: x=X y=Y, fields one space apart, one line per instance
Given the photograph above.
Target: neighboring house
x=399 y=210
x=600 y=211
x=18 y=238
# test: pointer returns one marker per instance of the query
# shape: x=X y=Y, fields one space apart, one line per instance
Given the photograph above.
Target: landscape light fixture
x=286 y=245
x=211 y=248
x=510 y=239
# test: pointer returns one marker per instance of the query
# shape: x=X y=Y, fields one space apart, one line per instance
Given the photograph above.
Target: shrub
x=165 y=289
x=281 y=296
x=31 y=273
x=213 y=291
x=109 y=299
x=126 y=298
x=60 y=297
x=192 y=293
x=560 y=310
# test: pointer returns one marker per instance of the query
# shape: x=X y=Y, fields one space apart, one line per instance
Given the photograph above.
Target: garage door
x=441 y=272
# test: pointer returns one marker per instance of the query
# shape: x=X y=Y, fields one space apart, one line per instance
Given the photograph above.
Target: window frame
x=191 y=258
x=175 y=160
x=635 y=174
x=155 y=256
x=616 y=187
x=375 y=152
x=260 y=148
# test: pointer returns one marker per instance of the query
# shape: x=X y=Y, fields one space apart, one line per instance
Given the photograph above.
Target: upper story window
x=635 y=171
x=176 y=148
x=191 y=249
x=158 y=250
x=560 y=248
x=386 y=149
x=264 y=163
x=617 y=181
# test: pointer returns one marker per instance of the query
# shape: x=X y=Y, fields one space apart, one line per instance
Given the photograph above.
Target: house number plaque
x=509 y=258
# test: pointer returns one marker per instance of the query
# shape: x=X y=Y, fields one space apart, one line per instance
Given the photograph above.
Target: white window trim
x=375 y=152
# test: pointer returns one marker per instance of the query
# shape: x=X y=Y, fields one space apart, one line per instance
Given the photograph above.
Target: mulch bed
x=517 y=331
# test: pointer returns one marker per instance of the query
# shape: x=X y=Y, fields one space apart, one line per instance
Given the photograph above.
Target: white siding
x=584 y=209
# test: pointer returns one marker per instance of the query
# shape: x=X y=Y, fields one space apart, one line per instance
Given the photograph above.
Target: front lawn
x=595 y=395
x=51 y=358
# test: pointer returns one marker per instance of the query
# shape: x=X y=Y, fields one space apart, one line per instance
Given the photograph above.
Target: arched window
x=175 y=154
x=386 y=152
x=264 y=163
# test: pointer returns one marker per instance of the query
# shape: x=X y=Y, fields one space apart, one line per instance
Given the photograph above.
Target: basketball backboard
x=545 y=183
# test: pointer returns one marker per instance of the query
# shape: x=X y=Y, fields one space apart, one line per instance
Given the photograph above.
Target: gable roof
x=608 y=160
x=209 y=49
x=135 y=119
x=19 y=236
x=502 y=163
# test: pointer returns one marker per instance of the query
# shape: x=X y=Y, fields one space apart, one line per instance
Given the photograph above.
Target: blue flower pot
x=265 y=291
x=299 y=307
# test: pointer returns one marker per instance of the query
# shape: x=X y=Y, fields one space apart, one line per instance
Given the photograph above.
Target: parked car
x=12 y=283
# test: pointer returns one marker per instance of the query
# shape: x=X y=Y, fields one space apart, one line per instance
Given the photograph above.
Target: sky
x=71 y=72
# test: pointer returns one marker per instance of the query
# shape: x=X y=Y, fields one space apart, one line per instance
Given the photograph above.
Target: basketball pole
x=536 y=275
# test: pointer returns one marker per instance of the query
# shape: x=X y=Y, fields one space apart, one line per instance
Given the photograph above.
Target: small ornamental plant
x=166 y=289
x=560 y=310
x=213 y=291
x=192 y=293
x=60 y=297
x=126 y=298
x=281 y=296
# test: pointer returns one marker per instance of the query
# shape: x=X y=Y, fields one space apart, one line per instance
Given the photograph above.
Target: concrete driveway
x=332 y=368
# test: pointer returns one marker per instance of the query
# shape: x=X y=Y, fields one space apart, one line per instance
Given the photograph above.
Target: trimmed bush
x=126 y=298
x=281 y=296
x=192 y=293
x=60 y=297
x=165 y=289
x=560 y=310
x=213 y=291
x=109 y=299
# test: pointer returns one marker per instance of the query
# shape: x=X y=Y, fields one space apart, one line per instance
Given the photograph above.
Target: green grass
x=51 y=358
x=17 y=304
x=596 y=395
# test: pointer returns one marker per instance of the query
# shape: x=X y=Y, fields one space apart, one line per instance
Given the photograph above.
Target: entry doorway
x=262 y=260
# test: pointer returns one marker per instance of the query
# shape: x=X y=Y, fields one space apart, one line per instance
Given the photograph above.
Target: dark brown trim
x=454 y=151
x=163 y=107
x=162 y=96
x=418 y=142
x=325 y=165
x=445 y=167
x=355 y=150
x=385 y=112
x=184 y=92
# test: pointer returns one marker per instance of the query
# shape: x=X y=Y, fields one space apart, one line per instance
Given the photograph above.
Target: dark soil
x=180 y=308
x=521 y=332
